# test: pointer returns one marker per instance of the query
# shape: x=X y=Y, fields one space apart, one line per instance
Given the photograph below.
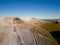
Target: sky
x=43 y=9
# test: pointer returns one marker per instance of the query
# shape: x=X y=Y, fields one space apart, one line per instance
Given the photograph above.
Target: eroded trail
x=14 y=31
x=25 y=37
x=19 y=41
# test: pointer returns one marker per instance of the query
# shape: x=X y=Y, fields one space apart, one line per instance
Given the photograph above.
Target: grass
x=51 y=27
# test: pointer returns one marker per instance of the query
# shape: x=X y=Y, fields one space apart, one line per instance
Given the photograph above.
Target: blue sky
x=30 y=8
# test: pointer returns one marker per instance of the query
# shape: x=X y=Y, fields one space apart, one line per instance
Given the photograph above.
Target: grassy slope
x=51 y=27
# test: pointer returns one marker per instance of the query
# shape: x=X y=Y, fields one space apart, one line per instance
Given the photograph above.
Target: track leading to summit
x=14 y=31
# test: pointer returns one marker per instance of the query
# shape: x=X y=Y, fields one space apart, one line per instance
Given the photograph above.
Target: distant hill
x=51 y=20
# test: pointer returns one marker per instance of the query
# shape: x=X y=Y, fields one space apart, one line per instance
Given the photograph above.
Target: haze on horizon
x=30 y=8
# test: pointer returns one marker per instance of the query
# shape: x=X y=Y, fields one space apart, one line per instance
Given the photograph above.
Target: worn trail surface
x=14 y=31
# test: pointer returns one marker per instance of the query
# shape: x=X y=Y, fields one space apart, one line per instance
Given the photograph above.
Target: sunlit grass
x=51 y=27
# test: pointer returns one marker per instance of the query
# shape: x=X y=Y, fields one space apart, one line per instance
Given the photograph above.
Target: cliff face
x=14 y=31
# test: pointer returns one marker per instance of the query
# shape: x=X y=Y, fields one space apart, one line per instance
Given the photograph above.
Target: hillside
x=49 y=26
x=14 y=31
